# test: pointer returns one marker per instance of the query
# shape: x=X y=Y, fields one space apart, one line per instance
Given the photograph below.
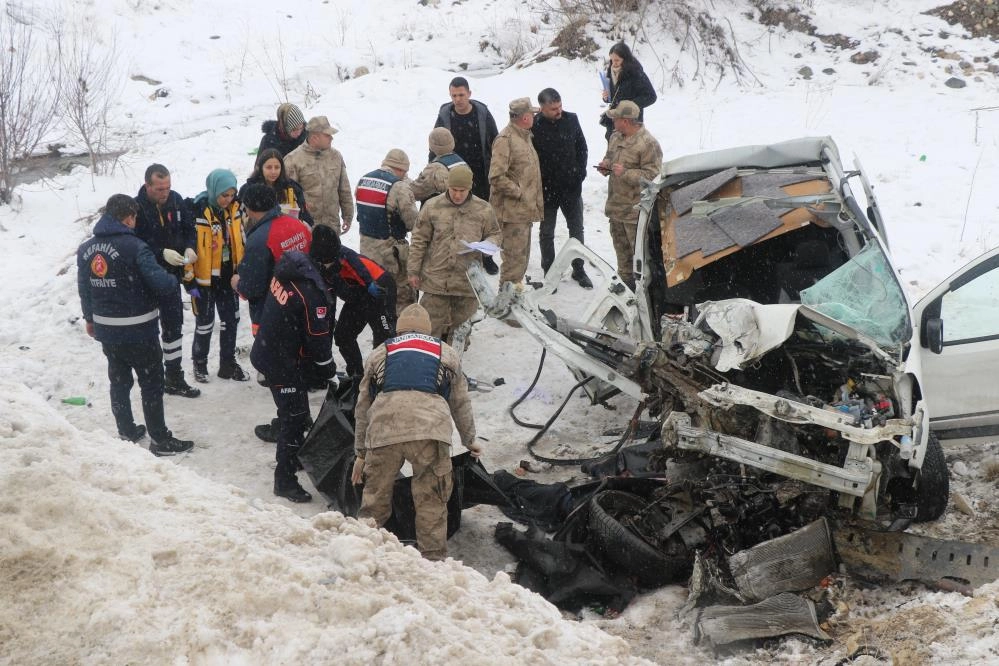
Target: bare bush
x=91 y=82
x=29 y=94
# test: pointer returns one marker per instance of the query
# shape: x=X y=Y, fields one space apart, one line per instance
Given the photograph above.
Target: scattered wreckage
x=794 y=389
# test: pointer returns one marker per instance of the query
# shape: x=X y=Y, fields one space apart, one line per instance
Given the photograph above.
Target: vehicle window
x=972 y=310
x=864 y=294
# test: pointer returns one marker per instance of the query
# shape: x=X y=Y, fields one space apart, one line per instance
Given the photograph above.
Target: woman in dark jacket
x=627 y=80
x=284 y=134
x=270 y=171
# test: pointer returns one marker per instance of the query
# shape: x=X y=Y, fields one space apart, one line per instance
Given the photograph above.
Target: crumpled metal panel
x=783 y=614
x=795 y=561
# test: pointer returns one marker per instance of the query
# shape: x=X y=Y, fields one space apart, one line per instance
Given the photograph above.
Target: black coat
x=168 y=226
x=274 y=138
x=281 y=190
x=562 y=153
x=632 y=84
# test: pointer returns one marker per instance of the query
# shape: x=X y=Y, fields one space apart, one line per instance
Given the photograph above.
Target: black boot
x=490 y=265
x=201 y=372
x=168 y=445
x=133 y=434
x=174 y=384
x=268 y=432
x=231 y=370
x=579 y=274
x=291 y=490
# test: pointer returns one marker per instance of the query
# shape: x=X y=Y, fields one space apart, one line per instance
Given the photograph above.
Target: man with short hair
x=474 y=130
x=121 y=286
x=438 y=257
x=386 y=213
x=320 y=170
x=515 y=189
x=562 y=153
x=166 y=223
x=411 y=393
x=632 y=154
x=433 y=179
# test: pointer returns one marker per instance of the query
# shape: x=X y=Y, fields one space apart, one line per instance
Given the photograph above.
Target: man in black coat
x=561 y=148
x=166 y=223
x=474 y=130
x=121 y=289
x=294 y=333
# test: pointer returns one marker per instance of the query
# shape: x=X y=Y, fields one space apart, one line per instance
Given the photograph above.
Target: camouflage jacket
x=515 y=178
x=323 y=176
x=642 y=158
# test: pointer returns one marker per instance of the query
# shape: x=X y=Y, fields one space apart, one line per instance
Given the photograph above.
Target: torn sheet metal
x=777 y=616
x=795 y=561
x=898 y=556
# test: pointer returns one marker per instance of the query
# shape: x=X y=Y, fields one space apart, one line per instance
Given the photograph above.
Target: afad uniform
x=353 y=285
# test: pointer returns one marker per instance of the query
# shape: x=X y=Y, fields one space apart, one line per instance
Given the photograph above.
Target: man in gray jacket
x=411 y=392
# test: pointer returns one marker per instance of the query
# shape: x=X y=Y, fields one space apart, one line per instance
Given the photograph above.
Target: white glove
x=189 y=256
x=474 y=448
x=173 y=257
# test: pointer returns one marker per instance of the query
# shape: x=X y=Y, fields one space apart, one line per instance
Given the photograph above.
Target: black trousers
x=146 y=360
x=223 y=299
x=571 y=206
x=378 y=313
x=171 y=329
x=292 y=402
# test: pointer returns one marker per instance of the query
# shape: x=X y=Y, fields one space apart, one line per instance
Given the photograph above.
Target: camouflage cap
x=320 y=125
x=626 y=109
x=522 y=105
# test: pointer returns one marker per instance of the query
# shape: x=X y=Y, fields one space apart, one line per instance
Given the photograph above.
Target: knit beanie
x=413 y=319
x=217 y=182
x=325 y=248
x=290 y=117
x=441 y=141
x=460 y=177
x=396 y=159
x=259 y=197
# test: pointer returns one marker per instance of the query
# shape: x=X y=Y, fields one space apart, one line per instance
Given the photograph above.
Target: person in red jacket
x=367 y=291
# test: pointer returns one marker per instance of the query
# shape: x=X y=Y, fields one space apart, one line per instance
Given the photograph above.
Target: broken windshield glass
x=864 y=294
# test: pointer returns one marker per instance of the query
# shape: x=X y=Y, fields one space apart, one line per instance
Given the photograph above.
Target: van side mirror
x=933 y=328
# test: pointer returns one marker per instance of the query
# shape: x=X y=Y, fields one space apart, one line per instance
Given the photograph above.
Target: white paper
x=485 y=247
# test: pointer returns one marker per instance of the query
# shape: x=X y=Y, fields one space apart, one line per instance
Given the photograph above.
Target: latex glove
x=357 y=472
x=194 y=292
x=173 y=257
x=375 y=290
x=474 y=448
x=190 y=256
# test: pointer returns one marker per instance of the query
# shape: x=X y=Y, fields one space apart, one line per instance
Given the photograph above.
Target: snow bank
x=109 y=555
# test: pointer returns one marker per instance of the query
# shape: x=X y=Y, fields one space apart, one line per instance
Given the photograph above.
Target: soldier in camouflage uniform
x=515 y=188
x=433 y=179
x=438 y=258
x=632 y=154
x=411 y=392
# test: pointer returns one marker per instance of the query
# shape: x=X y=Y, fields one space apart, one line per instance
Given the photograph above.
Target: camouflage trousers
x=623 y=235
x=432 y=483
x=516 y=251
x=447 y=313
x=391 y=255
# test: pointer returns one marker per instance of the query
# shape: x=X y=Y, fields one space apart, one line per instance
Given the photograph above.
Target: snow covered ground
x=108 y=555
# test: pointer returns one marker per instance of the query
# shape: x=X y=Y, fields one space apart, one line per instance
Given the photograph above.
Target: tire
x=630 y=553
x=932 y=483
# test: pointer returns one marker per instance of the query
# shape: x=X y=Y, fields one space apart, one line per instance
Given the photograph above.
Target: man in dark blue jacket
x=121 y=288
x=294 y=333
x=166 y=223
x=562 y=153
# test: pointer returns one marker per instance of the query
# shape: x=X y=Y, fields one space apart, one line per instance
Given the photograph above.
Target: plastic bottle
x=75 y=400
x=905 y=447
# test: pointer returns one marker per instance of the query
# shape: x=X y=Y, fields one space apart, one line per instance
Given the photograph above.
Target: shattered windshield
x=864 y=294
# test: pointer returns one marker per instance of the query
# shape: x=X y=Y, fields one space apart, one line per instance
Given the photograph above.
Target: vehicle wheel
x=632 y=554
x=932 y=483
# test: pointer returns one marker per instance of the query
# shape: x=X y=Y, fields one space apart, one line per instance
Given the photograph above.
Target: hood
x=217 y=182
x=295 y=265
x=269 y=127
x=108 y=226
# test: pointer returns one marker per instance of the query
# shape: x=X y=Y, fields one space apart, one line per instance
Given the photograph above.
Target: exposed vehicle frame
x=757 y=343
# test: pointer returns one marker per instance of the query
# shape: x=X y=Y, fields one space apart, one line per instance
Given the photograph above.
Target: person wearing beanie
x=386 y=213
x=269 y=235
x=411 y=397
x=515 y=188
x=433 y=179
x=439 y=256
x=166 y=223
x=320 y=170
x=562 y=153
x=284 y=134
x=293 y=338
x=219 y=221
x=368 y=293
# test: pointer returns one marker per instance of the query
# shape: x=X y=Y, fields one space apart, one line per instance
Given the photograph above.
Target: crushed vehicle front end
x=767 y=328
